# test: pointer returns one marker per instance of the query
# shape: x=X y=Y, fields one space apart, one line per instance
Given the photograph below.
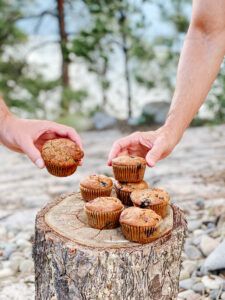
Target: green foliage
x=71 y=96
x=21 y=87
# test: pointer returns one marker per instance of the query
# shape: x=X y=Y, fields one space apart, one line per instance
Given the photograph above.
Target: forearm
x=199 y=64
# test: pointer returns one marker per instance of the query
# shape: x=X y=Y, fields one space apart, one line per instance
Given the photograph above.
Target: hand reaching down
x=152 y=145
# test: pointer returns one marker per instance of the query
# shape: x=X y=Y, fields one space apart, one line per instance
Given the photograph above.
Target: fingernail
x=151 y=164
x=39 y=163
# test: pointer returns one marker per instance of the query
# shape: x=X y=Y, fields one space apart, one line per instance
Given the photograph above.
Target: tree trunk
x=64 y=54
x=128 y=83
x=122 y=21
x=75 y=262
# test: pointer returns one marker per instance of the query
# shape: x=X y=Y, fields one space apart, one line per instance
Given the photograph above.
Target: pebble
x=198 y=287
x=214 y=294
x=15 y=262
x=6 y=273
x=186 y=284
x=194 y=224
x=189 y=266
x=208 y=244
x=213 y=282
x=26 y=266
x=8 y=250
x=22 y=243
x=184 y=274
x=192 y=252
x=200 y=203
x=189 y=295
x=216 y=259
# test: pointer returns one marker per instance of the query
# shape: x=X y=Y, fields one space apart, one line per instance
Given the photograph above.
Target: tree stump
x=75 y=262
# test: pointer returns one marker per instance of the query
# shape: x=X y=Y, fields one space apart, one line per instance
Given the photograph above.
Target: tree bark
x=75 y=262
x=122 y=21
x=64 y=53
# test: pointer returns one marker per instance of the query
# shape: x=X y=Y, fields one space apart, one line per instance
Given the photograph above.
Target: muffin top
x=96 y=182
x=104 y=204
x=61 y=152
x=130 y=187
x=144 y=198
x=128 y=160
x=139 y=217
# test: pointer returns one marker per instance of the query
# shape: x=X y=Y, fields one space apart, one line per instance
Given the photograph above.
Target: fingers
x=155 y=154
x=118 y=147
x=32 y=152
x=62 y=130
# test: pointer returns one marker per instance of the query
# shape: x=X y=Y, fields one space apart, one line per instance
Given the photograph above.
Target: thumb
x=33 y=153
x=154 y=155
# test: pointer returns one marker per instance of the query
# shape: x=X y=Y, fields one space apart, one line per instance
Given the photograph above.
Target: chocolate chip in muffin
x=145 y=203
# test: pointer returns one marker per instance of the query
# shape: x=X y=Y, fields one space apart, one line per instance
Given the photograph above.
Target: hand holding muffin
x=151 y=145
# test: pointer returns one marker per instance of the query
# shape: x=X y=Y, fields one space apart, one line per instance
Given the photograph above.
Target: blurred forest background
x=91 y=63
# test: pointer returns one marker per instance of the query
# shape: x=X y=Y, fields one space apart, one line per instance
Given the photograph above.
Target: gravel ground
x=194 y=175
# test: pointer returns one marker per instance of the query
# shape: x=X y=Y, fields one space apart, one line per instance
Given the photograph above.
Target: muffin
x=124 y=189
x=155 y=199
x=61 y=156
x=94 y=186
x=140 y=225
x=129 y=168
x=104 y=212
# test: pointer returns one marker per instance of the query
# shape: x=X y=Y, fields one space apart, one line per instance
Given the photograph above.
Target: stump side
x=67 y=218
x=66 y=270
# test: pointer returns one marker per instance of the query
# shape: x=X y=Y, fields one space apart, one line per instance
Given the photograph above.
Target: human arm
x=28 y=136
x=199 y=63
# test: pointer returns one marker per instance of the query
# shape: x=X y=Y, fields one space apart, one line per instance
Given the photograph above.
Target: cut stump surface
x=75 y=262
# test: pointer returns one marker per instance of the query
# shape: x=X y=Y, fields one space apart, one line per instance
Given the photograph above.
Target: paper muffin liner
x=160 y=209
x=129 y=173
x=140 y=234
x=90 y=194
x=103 y=220
x=60 y=171
x=124 y=196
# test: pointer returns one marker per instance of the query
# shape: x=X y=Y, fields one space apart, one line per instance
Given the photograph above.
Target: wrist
x=6 y=123
x=172 y=132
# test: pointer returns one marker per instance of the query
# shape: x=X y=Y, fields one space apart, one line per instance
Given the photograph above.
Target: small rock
x=15 y=262
x=198 y=287
x=26 y=266
x=6 y=273
x=214 y=294
x=192 y=252
x=213 y=282
x=189 y=266
x=216 y=259
x=223 y=296
x=208 y=244
x=200 y=203
x=184 y=274
x=22 y=243
x=186 y=284
x=194 y=224
x=189 y=295
x=8 y=250
x=198 y=232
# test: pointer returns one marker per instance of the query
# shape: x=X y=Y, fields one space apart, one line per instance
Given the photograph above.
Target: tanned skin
x=202 y=54
x=28 y=136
